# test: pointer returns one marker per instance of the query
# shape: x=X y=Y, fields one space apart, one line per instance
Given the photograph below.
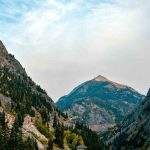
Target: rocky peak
x=3 y=51
x=100 y=78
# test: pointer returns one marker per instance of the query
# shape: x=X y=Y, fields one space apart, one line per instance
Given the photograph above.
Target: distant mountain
x=134 y=131
x=100 y=103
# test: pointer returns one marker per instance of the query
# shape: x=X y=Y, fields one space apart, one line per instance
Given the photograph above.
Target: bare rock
x=29 y=129
x=5 y=102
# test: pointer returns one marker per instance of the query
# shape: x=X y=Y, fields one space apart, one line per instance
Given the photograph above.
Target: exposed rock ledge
x=29 y=130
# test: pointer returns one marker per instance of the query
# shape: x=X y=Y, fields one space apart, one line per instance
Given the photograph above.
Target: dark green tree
x=90 y=138
x=15 y=141
x=4 y=132
x=50 y=144
x=55 y=122
x=31 y=144
x=59 y=135
x=20 y=119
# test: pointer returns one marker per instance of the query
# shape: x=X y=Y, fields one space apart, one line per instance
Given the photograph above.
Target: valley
x=99 y=114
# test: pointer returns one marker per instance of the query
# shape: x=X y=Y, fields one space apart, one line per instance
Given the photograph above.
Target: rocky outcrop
x=10 y=120
x=3 y=55
x=29 y=130
x=5 y=103
x=16 y=64
x=3 y=51
x=100 y=103
x=9 y=61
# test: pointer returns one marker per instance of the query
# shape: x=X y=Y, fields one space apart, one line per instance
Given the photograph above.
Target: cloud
x=63 y=43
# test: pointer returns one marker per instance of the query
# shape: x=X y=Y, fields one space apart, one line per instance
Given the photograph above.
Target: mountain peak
x=3 y=50
x=100 y=78
x=100 y=103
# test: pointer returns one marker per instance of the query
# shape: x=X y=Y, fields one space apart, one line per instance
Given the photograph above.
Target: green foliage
x=55 y=121
x=20 y=119
x=135 y=140
x=25 y=94
x=112 y=131
x=43 y=129
x=12 y=140
x=59 y=135
x=4 y=132
x=31 y=144
x=90 y=138
x=60 y=113
x=50 y=144
x=72 y=139
x=32 y=113
x=39 y=89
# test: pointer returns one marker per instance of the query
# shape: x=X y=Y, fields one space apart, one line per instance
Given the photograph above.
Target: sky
x=63 y=43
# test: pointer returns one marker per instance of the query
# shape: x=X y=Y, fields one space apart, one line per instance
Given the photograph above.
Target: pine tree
x=55 y=121
x=50 y=145
x=2 y=118
x=15 y=141
x=31 y=144
x=4 y=132
x=59 y=135
x=20 y=119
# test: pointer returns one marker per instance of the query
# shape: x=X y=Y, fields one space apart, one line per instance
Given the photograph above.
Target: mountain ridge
x=134 y=132
x=109 y=99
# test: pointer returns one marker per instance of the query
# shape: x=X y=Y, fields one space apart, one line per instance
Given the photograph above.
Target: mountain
x=134 y=132
x=3 y=51
x=29 y=119
x=24 y=104
x=100 y=103
x=9 y=61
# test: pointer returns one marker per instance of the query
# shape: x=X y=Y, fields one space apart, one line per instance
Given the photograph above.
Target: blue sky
x=63 y=43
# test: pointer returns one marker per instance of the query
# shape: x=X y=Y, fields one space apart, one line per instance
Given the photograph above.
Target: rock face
x=3 y=51
x=9 y=61
x=29 y=129
x=100 y=103
x=5 y=102
x=135 y=130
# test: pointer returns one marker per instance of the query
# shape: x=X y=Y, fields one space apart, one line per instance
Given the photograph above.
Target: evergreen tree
x=2 y=118
x=15 y=141
x=4 y=132
x=59 y=135
x=20 y=119
x=55 y=121
x=31 y=144
x=50 y=145
x=90 y=138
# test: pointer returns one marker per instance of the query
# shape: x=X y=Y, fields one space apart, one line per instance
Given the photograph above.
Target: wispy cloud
x=65 y=42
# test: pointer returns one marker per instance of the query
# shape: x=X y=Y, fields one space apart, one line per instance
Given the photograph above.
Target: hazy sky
x=63 y=43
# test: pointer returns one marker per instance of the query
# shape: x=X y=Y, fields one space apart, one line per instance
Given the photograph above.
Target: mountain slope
x=29 y=119
x=135 y=130
x=15 y=80
x=26 y=106
x=9 y=61
x=100 y=103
